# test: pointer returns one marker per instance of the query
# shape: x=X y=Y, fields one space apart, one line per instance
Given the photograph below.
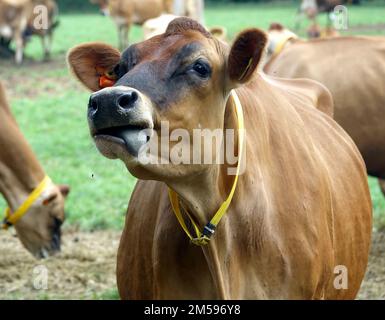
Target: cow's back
x=353 y=69
x=313 y=161
x=350 y=211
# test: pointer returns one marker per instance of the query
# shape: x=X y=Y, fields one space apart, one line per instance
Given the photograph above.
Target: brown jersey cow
x=14 y=15
x=22 y=18
x=44 y=30
x=353 y=69
x=301 y=209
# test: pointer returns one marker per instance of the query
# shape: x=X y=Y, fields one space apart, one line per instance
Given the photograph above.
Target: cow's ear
x=245 y=55
x=64 y=190
x=90 y=61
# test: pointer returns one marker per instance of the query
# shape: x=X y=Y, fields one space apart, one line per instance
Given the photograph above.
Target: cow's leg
x=179 y=8
x=195 y=10
x=328 y=19
x=19 y=48
x=298 y=21
x=121 y=36
x=168 y=6
x=47 y=44
x=126 y=31
x=5 y=50
x=382 y=185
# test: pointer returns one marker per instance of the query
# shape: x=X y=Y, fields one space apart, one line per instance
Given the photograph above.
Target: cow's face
x=39 y=229
x=178 y=80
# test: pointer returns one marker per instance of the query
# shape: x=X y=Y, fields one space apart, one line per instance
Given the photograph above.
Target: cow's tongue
x=133 y=138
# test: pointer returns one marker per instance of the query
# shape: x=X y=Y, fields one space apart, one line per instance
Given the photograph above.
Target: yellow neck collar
x=11 y=218
x=278 y=49
x=203 y=238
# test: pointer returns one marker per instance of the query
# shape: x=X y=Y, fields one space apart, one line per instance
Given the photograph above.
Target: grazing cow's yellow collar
x=203 y=238
x=11 y=219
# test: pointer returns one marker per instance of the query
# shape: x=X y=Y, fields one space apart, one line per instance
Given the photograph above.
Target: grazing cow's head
x=39 y=229
x=182 y=77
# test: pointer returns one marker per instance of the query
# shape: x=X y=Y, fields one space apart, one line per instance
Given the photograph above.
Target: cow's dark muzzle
x=115 y=115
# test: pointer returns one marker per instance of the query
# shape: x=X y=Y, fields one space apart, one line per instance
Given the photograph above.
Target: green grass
x=378 y=204
x=50 y=108
x=109 y=294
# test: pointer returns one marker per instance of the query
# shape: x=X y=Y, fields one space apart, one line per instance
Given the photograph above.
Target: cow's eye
x=202 y=69
x=118 y=71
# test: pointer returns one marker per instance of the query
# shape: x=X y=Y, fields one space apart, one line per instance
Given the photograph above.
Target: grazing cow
x=5 y=50
x=22 y=178
x=17 y=22
x=300 y=210
x=353 y=69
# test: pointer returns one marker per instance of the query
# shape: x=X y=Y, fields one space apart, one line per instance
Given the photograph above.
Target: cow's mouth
x=132 y=137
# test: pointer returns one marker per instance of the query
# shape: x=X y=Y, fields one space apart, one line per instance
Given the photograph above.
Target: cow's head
x=182 y=77
x=39 y=229
x=278 y=36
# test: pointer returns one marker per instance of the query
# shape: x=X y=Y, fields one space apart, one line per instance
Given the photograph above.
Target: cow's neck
x=203 y=194
x=20 y=171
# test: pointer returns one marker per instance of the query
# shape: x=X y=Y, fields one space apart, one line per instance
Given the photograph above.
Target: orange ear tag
x=105 y=82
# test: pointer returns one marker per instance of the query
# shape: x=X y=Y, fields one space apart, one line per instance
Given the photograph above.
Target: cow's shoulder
x=314 y=92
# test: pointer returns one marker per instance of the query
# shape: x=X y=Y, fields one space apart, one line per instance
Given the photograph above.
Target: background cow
x=20 y=174
x=301 y=208
x=14 y=16
x=193 y=9
x=311 y=8
x=357 y=87
x=46 y=34
x=17 y=24
x=128 y=12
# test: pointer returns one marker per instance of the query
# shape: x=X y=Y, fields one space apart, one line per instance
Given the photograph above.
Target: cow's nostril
x=93 y=105
x=127 y=100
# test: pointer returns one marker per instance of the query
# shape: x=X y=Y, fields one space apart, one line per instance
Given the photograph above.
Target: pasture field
x=50 y=108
